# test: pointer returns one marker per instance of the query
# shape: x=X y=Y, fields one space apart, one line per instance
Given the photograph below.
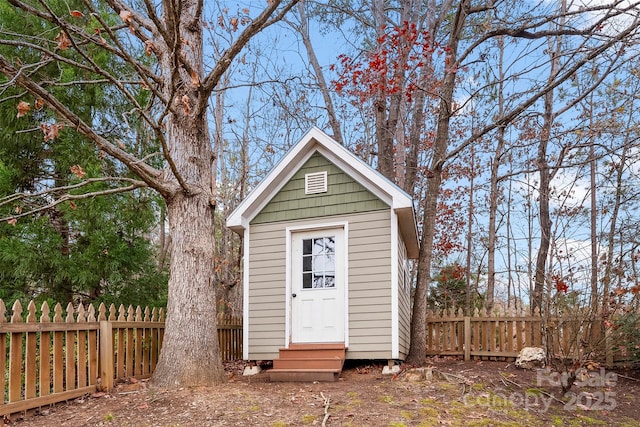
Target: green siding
x=344 y=196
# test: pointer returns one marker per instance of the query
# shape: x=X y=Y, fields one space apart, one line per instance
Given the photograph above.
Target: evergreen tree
x=93 y=249
x=449 y=289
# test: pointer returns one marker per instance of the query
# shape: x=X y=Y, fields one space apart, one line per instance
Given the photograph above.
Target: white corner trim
x=287 y=289
x=245 y=297
x=395 y=300
x=346 y=284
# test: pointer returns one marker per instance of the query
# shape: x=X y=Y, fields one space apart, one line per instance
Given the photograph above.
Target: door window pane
x=318 y=263
x=306 y=280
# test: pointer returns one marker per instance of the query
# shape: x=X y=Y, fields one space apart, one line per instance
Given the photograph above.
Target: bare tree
x=417 y=351
x=179 y=88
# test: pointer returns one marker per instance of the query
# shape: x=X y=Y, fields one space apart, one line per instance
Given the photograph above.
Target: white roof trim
x=316 y=140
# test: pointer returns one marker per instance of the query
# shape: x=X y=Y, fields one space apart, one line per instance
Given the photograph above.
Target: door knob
x=293 y=295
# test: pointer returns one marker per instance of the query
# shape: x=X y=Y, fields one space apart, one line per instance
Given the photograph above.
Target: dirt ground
x=445 y=392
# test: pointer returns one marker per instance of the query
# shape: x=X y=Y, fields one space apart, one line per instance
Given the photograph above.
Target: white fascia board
x=245 y=300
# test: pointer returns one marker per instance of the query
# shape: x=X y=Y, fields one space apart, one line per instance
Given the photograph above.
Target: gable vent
x=315 y=182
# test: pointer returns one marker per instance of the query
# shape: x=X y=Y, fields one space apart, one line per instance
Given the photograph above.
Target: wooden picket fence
x=230 y=336
x=45 y=360
x=502 y=334
x=451 y=333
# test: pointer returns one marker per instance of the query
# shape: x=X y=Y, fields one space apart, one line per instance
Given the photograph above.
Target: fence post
x=106 y=354
x=467 y=338
x=608 y=350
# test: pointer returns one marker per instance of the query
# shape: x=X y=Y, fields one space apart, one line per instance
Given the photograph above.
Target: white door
x=317 y=286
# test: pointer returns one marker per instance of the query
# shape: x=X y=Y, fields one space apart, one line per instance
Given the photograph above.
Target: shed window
x=318 y=263
x=315 y=182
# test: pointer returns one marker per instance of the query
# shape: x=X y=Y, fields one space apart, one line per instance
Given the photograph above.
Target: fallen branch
x=327 y=400
x=531 y=387
x=448 y=377
x=627 y=377
x=506 y=380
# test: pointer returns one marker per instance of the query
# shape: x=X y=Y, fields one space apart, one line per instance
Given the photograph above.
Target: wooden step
x=303 y=375
x=299 y=351
x=309 y=363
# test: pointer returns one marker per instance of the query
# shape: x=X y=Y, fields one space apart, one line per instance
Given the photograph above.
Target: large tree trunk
x=190 y=350
x=610 y=266
x=593 y=214
x=189 y=353
x=543 y=201
x=470 y=215
x=418 y=348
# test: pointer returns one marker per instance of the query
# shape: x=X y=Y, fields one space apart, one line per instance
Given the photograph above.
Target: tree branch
x=526 y=32
x=69 y=197
x=121 y=51
x=153 y=25
x=508 y=118
x=19 y=196
x=258 y=24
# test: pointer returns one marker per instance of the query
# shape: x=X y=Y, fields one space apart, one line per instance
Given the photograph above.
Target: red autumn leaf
x=63 y=41
x=23 y=108
x=38 y=104
x=78 y=171
x=76 y=14
x=560 y=284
